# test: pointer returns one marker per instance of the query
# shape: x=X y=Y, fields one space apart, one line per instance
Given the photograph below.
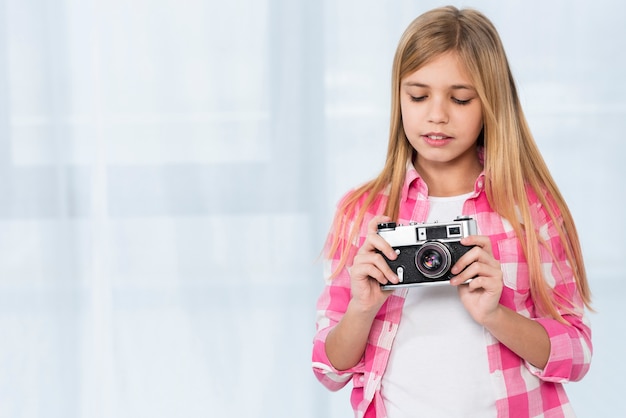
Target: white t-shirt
x=438 y=365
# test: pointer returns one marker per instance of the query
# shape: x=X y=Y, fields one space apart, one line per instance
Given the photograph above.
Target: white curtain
x=168 y=172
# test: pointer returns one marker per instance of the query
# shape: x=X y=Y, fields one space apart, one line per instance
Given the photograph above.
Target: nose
x=438 y=111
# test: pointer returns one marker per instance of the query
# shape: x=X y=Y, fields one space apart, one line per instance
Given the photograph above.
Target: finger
x=479 y=255
x=480 y=241
x=384 y=247
x=475 y=255
x=466 y=260
x=372 y=225
x=379 y=263
x=476 y=270
x=488 y=284
x=371 y=271
x=374 y=242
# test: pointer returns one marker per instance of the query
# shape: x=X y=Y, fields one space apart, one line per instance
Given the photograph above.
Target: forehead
x=443 y=70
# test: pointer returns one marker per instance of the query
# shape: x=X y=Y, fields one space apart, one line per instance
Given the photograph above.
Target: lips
x=436 y=138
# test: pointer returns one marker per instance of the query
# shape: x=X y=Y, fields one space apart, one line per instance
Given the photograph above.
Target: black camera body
x=426 y=252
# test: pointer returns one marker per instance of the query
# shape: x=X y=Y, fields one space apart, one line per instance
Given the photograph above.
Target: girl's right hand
x=369 y=269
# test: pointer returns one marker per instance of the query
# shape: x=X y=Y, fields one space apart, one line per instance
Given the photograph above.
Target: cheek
x=409 y=126
x=475 y=120
x=403 y=111
x=479 y=118
x=409 y=118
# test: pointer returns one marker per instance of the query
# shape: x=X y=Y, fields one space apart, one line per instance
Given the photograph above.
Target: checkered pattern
x=521 y=389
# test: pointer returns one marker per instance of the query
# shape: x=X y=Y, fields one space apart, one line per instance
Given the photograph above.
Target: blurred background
x=169 y=170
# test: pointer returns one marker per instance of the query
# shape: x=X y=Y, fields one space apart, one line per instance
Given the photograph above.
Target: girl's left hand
x=481 y=296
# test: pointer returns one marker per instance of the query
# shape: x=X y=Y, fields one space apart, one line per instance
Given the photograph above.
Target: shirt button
x=362 y=379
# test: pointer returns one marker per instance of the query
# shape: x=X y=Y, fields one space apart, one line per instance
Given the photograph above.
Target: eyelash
x=461 y=102
x=457 y=101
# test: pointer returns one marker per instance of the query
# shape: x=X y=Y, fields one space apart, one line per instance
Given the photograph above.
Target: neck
x=445 y=180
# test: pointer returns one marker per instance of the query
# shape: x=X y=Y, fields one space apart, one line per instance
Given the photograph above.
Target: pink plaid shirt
x=521 y=389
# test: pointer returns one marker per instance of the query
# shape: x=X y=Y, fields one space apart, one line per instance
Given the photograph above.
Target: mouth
x=436 y=136
x=437 y=139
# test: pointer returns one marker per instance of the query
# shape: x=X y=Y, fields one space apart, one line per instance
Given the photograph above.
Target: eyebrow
x=453 y=87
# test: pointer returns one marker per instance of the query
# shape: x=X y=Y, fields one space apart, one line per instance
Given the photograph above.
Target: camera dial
x=386 y=226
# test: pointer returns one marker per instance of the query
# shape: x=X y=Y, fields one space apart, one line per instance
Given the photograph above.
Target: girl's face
x=441 y=113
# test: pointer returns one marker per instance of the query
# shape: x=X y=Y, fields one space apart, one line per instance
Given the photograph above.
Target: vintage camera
x=426 y=252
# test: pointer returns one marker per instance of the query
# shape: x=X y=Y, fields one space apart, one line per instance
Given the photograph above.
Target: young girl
x=503 y=344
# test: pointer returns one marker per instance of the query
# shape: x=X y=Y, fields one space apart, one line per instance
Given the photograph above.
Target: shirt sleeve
x=570 y=342
x=570 y=350
x=331 y=306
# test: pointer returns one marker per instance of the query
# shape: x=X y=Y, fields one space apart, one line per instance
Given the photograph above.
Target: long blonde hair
x=513 y=164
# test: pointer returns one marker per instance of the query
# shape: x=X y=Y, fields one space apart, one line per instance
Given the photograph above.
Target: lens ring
x=433 y=259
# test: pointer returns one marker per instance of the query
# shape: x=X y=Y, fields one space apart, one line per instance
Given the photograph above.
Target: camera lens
x=433 y=259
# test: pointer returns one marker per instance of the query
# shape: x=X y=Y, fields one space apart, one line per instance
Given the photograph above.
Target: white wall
x=168 y=173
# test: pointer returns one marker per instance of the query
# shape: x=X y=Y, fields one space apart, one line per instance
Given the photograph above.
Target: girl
x=459 y=144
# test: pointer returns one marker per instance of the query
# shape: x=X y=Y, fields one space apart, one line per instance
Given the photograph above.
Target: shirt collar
x=413 y=179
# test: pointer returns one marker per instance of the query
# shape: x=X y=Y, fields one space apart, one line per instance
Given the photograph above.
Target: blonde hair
x=513 y=164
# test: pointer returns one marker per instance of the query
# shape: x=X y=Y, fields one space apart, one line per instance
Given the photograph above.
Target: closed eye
x=461 y=102
x=418 y=99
